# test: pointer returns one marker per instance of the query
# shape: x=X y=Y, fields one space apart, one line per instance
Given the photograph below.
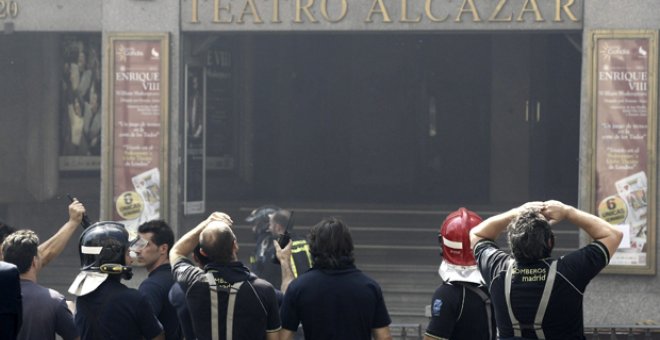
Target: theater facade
x=170 y=109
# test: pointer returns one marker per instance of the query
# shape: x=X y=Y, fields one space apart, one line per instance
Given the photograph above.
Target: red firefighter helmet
x=455 y=237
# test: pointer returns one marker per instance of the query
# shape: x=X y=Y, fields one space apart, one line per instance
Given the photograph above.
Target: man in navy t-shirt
x=334 y=300
x=152 y=248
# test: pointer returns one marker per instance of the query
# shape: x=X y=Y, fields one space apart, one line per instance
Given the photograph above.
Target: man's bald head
x=217 y=242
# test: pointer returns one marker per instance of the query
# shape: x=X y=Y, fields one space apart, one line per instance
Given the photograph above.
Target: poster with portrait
x=624 y=101
x=80 y=102
x=137 y=126
x=194 y=168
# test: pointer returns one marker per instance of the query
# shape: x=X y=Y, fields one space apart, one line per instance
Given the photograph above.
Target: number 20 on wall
x=8 y=9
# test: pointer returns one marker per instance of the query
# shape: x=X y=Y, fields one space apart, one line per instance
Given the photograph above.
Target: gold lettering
x=276 y=11
x=217 y=13
x=429 y=13
x=195 y=12
x=253 y=12
x=404 y=13
x=559 y=7
x=534 y=9
x=382 y=10
x=305 y=9
x=326 y=16
x=472 y=9
x=497 y=11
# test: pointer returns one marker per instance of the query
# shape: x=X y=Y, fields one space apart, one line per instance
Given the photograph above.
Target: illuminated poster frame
x=623 y=95
x=136 y=128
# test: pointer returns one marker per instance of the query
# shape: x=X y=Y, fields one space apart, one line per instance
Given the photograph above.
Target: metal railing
x=414 y=331
x=628 y=332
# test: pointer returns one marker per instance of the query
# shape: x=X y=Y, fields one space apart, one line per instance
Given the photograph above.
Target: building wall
x=616 y=299
x=28 y=144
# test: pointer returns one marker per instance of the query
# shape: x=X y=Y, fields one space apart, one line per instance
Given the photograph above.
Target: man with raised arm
x=534 y=295
x=45 y=312
x=225 y=300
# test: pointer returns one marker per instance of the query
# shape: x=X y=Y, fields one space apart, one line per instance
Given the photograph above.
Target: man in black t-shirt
x=225 y=290
x=11 y=310
x=534 y=295
x=152 y=247
x=334 y=300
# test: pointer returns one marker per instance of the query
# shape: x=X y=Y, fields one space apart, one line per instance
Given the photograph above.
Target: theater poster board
x=137 y=125
x=623 y=91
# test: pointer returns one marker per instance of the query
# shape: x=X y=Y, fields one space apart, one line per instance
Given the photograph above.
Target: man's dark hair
x=5 y=230
x=20 y=248
x=281 y=217
x=162 y=233
x=218 y=244
x=331 y=244
x=530 y=236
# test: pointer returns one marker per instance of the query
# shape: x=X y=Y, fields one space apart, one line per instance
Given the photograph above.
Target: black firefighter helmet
x=103 y=249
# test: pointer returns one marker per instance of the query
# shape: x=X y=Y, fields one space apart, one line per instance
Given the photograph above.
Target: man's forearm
x=284 y=256
x=382 y=333
x=492 y=227
x=55 y=245
x=596 y=228
x=187 y=243
x=287 y=275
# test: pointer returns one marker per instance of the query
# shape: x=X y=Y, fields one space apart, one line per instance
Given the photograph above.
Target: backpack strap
x=231 y=305
x=213 y=296
x=543 y=304
x=487 y=303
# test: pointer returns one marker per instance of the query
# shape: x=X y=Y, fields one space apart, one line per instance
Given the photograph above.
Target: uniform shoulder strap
x=543 y=304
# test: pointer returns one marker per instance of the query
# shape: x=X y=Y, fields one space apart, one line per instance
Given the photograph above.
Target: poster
x=80 y=102
x=624 y=138
x=138 y=94
x=195 y=141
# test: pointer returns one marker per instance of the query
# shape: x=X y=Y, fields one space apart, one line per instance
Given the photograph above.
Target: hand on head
x=554 y=211
x=221 y=217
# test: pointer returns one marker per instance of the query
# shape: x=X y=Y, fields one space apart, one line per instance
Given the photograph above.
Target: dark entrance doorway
x=480 y=119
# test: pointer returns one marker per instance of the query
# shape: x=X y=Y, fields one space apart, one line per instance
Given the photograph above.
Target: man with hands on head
x=225 y=300
x=534 y=295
